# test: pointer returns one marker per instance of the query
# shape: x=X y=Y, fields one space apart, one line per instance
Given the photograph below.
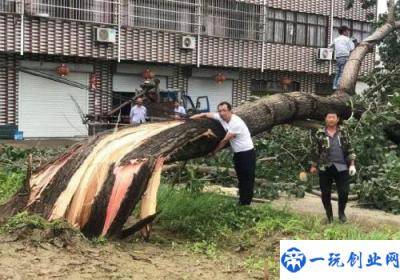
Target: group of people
x=332 y=156
x=138 y=114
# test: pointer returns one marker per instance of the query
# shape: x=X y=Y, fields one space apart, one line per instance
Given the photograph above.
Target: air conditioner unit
x=188 y=42
x=325 y=54
x=105 y=35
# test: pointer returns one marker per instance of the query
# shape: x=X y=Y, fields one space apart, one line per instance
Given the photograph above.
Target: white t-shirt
x=343 y=46
x=138 y=114
x=180 y=110
x=242 y=141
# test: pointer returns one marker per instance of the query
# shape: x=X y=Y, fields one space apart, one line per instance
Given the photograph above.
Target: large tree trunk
x=97 y=183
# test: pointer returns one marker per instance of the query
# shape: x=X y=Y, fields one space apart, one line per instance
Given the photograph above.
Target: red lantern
x=147 y=74
x=93 y=81
x=62 y=70
x=220 y=78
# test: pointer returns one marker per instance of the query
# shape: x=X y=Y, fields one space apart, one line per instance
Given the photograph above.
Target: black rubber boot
x=342 y=217
x=329 y=214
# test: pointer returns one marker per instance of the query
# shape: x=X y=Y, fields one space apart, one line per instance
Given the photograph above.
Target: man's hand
x=197 y=116
x=313 y=170
x=352 y=170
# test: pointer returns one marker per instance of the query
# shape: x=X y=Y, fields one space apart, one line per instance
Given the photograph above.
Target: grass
x=25 y=220
x=10 y=182
x=212 y=223
x=213 y=217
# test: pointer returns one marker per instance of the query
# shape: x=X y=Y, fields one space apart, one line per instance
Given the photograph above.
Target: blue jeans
x=340 y=63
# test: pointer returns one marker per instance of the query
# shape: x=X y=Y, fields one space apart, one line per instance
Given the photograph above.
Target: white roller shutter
x=47 y=108
x=208 y=87
x=130 y=82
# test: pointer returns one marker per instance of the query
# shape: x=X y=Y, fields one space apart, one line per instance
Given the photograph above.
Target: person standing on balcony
x=244 y=158
x=138 y=112
x=343 y=45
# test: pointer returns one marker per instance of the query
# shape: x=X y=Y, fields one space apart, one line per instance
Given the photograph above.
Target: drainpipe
x=119 y=32
x=21 y=51
x=263 y=35
x=198 y=36
x=331 y=36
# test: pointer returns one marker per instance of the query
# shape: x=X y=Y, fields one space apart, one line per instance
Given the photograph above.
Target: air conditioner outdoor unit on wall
x=105 y=35
x=325 y=54
x=188 y=42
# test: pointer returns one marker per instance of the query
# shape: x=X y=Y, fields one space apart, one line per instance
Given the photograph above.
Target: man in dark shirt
x=333 y=155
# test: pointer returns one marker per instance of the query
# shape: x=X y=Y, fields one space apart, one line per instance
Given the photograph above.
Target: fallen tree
x=96 y=184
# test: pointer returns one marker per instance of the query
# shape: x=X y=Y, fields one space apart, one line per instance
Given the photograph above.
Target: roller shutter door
x=208 y=87
x=51 y=109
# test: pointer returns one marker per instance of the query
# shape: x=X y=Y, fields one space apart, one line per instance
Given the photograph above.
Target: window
x=359 y=30
x=297 y=28
x=232 y=19
x=323 y=88
x=103 y=11
x=173 y=15
x=264 y=87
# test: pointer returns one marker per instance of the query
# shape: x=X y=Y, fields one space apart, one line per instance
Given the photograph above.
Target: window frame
x=350 y=24
x=272 y=20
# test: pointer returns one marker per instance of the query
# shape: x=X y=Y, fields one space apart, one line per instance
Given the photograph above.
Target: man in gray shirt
x=333 y=159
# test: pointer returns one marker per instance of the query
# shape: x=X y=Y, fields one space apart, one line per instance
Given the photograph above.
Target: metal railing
x=220 y=18
x=232 y=19
x=11 y=6
x=176 y=15
x=99 y=11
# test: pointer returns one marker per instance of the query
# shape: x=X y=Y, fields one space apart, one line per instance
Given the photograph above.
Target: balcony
x=218 y=18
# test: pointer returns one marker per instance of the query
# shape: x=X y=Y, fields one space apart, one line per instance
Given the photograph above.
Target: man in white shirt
x=238 y=135
x=138 y=112
x=343 y=45
x=179 y=111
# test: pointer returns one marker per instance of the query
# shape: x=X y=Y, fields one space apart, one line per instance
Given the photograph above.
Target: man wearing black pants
x=333 y=155
x=245 y=165
x=238 y=135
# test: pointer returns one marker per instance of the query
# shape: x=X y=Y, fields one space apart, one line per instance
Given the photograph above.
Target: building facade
x=108 y=44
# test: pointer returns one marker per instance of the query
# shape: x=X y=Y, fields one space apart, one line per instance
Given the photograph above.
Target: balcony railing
x=99 y=11
x=220 y=18
x=11 y=6
x=233 y=19
x=176 y=15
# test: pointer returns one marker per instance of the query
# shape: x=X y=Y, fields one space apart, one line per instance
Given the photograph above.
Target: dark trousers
x=245 y=166
x=341 y=179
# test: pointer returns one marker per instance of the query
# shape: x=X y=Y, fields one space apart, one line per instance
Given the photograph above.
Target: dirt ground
x=135 y=259
x=312 y=205
x=163 y=257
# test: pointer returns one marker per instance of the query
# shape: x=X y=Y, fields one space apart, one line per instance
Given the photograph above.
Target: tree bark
x=97 y=183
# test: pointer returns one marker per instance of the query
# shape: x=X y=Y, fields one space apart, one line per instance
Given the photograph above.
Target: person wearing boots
x=332 y=157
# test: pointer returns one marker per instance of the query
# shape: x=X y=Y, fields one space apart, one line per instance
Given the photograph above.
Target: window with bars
x=9 y=6
x=232 y=19
x=296 y=28
x=103 y=11
x=323 y=89
x=176 y=15
x=358 y=30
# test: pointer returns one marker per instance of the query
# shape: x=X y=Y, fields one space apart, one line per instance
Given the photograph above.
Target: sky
x=382 y=6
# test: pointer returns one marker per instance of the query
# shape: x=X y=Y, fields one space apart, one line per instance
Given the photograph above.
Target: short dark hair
x=334 y=112
x=343 y=29
x=228 y=105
